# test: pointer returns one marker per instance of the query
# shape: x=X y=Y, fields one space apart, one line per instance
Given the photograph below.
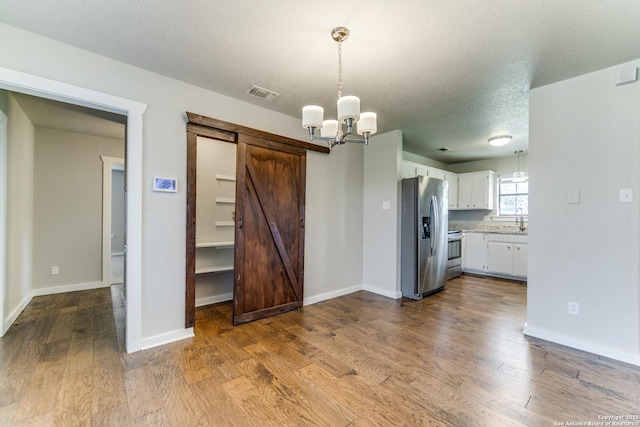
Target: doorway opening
x=215 y=220
x=11 y=80
x=113 y=221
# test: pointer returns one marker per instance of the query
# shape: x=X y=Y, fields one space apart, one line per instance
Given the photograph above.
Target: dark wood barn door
x=269 y=252
x=269 y=218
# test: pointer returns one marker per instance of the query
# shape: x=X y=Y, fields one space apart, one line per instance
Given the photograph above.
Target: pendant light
x=519 y=176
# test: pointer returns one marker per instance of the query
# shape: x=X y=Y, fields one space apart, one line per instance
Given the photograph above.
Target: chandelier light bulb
x=312 y=116
x=329 y=129
x=348 y=108
x=367 y=123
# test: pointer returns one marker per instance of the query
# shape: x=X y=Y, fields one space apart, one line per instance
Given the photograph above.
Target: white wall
x=67 y=218
x=382 y=171
x=19 y=244
x=585 y=135
x=333 y=239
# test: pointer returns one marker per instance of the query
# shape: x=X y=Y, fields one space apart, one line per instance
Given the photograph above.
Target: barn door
x=269 y=236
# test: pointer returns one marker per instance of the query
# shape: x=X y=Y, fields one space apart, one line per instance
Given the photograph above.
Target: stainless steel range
x=454 y=258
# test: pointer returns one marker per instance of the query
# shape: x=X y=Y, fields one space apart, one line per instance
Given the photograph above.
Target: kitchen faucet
x=520 y=221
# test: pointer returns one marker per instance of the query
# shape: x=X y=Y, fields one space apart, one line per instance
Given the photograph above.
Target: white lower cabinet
x=474 y=252
x=500 y=258
x=520 y=260
x=500 y=255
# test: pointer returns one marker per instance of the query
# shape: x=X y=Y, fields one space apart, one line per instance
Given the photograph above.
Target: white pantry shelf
x=216 y=269
x=221 y=177
x=225 y=223
x=226 y=200
x=217 y=245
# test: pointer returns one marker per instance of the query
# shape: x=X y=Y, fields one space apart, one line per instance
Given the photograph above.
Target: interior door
x=269 y=235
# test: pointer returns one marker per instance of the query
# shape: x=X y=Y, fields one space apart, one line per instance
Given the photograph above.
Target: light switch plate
x=573 y=196
x=626 y=195
x=386 y=205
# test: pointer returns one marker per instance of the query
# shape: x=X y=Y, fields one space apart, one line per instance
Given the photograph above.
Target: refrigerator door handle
x=433 y=211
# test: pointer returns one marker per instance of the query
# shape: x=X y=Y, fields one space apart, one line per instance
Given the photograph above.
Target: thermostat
x=167 y=185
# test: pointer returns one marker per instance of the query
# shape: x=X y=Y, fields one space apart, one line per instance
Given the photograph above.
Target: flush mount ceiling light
x=348 y=111
x=499 y=141
x=519 y=176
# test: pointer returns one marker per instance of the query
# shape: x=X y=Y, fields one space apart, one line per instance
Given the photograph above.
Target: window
x=513 y=196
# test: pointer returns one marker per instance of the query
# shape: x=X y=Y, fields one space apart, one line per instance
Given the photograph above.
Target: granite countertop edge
x=488 y=229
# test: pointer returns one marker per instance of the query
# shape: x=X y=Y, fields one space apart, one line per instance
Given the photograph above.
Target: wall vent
x=263 y=93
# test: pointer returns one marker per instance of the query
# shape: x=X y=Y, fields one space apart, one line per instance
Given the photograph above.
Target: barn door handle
x=302 y=223
x=240 y=223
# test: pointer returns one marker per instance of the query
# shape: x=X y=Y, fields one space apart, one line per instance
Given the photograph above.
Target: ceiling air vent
x=263 y=93
x=444 y=149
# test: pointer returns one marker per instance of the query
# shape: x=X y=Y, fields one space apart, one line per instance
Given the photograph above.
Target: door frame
x=3 y=217
x=17 y=81
x=208 y=127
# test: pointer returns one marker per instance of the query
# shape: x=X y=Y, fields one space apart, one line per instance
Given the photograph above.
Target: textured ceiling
x=448 y=73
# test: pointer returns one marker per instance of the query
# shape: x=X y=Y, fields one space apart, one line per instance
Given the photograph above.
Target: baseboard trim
x=167 y=338
x=214 y=299
x=383 y=292
x=8 y=321
x=330 y=295
x=544 y=334
x=68 y=288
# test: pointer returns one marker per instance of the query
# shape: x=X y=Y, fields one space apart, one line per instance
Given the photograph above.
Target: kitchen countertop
x=487 y=228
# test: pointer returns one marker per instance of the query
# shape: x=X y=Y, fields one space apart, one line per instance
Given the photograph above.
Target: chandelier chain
x=339 y=69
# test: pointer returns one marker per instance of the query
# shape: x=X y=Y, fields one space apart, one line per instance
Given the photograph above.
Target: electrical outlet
x=574 y=308
x=55 y=270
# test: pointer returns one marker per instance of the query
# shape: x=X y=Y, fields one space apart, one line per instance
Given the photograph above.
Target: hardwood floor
x=457 y=358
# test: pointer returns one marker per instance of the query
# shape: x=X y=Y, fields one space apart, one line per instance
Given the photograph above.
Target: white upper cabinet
x=452 y=179
x=475 y=190
x=410 y=170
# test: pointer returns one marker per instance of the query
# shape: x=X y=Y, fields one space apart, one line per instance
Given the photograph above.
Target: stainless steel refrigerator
x=425 y=214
